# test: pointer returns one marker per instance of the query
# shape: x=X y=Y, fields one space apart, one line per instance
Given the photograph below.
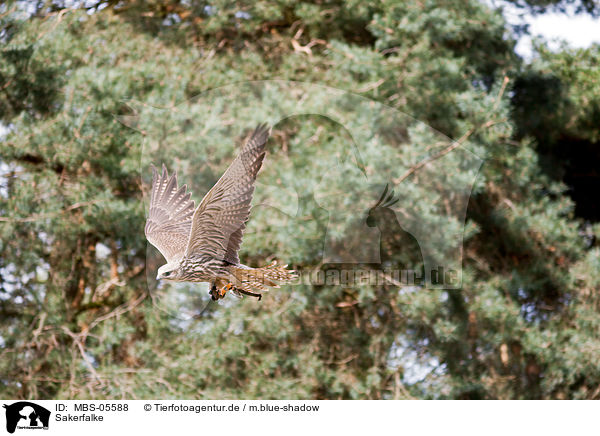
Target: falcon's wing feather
x=170 y=218
x=220 y=219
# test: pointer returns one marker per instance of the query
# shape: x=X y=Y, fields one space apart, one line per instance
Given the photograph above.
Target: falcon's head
x=168 y=271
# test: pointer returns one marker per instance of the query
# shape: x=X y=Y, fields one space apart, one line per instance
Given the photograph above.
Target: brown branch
x=119 y=310
x=455 y=144
x=371 y=86
x=33 y=159
x=78 y=340
x=305 y=48
x=444 y=152
x=37 y=217
x=77 y=131
x=99 y=296
x=59 y=15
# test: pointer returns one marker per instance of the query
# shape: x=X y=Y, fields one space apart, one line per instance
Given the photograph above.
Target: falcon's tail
x=253 y=281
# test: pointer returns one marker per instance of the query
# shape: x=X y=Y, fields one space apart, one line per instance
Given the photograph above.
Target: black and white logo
x=26 y=415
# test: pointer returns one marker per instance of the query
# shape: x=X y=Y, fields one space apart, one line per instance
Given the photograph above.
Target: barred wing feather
x=170 y=217
x=220 y=219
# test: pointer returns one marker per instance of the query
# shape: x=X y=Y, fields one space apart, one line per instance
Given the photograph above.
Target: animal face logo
x=26 y=415
x=381 y=207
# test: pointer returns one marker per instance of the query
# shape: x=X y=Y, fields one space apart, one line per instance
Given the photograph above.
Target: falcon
x=201 y=244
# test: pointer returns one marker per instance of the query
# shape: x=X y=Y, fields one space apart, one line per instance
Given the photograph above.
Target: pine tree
x=88 y=98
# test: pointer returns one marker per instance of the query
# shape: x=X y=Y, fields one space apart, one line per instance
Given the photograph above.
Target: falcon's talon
x=213 y=293
x=251 y=294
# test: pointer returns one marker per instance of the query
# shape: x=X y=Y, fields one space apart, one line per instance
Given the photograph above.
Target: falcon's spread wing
x=170 y=217
x=220 y=219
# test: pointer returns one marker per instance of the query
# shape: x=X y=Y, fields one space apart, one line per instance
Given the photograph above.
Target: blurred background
x=81 y=317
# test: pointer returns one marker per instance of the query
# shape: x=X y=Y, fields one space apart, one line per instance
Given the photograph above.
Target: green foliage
x=541 y=6
x=563 y=88
x=81 y=316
